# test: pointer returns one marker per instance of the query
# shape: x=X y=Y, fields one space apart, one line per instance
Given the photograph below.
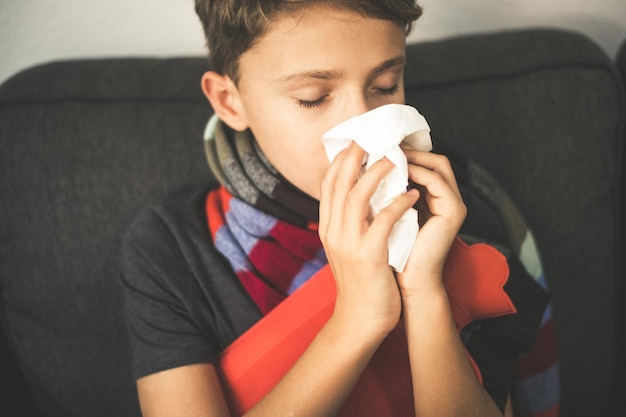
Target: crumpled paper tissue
x=379 y=132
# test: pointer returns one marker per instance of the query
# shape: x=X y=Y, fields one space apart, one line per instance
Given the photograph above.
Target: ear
x=225 y=100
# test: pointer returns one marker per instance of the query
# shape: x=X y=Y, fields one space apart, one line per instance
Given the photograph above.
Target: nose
x=355 y=104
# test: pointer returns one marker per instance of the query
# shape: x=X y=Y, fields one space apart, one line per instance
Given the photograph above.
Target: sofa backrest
x=85 y=145
x=544 y=112
x=621 y=345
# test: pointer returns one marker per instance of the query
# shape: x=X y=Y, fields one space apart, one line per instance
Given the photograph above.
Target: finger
x=385 y=220
x=434 y=162
x=337 y=183
x=346 y=177
x=326 y=197
x=439 y=196
x=432 y=181
x=361 y=193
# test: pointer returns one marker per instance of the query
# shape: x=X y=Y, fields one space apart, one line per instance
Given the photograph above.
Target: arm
x=317 y=385
x=367 y=308
x=443 y=380
x=190 y=391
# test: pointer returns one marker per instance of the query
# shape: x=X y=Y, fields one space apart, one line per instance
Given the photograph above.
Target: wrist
x=418 y=287
x=425 y=302
x=361 y=327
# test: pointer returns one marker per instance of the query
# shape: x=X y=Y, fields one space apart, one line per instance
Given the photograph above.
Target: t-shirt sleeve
x=158 y=292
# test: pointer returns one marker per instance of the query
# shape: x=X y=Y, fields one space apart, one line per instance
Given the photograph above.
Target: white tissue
x=379 y=132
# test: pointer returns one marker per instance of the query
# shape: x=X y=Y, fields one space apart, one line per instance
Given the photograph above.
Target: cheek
x=294 y=148
x=302 y=132
x=290 y=137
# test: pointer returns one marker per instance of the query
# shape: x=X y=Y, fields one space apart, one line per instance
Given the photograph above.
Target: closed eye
x=314 y=103
x=388 y=91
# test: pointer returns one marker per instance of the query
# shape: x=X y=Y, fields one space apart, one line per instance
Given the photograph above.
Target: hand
x=367 y=292
x=441 y=213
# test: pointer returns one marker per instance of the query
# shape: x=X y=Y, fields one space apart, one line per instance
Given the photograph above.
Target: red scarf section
x=271 y=257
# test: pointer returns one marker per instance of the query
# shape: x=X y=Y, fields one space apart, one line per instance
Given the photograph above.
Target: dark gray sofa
x=85 y=145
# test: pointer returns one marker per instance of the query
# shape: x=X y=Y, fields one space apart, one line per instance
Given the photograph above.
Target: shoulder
x=170 y=270
x=176 y=286
x=179 y=217
x=161 y=245
x=175 y=214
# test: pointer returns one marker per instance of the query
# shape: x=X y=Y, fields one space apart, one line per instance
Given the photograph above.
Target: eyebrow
x=334 y=75
x=390 y=63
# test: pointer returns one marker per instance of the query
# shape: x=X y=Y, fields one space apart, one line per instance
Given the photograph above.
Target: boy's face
x=310 y=72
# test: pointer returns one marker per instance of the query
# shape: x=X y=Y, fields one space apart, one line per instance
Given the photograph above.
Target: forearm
x=317 y=384
x=321 y=380
x=444 y=382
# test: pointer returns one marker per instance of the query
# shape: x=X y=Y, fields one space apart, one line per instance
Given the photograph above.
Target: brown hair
x=232 y=27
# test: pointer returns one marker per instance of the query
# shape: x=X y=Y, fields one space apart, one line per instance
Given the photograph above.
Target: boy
x=286 y=72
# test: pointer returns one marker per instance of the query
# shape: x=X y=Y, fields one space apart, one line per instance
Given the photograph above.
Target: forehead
x=322 y=39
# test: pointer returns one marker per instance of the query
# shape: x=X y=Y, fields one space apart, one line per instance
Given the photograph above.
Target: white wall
x=602 y=20
x=36 y=31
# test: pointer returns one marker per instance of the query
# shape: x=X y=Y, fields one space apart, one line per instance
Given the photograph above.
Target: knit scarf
x=263 y=225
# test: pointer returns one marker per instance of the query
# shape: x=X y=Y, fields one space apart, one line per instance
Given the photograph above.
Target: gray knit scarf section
x=240 y=165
